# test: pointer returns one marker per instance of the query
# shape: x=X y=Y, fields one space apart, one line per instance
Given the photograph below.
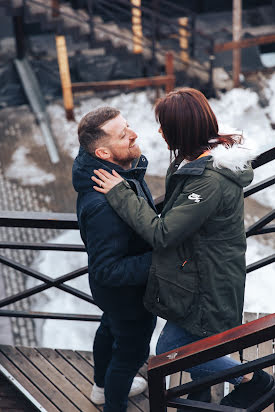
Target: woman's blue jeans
x=173 y=336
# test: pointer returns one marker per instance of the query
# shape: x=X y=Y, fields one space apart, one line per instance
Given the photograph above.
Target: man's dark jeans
x=120 y=348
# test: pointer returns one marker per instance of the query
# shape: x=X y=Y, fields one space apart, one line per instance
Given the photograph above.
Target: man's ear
x=102 y=153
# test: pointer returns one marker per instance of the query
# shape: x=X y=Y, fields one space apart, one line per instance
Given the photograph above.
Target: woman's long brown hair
x=189 y=125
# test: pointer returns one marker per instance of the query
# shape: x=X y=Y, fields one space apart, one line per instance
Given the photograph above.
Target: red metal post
x=237 y=32
x=169 y=68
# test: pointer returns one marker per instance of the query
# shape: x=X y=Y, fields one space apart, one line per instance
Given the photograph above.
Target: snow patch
x=23 y=169
x=260 y=284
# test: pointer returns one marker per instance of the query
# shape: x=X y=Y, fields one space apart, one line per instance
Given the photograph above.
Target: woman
x=197 y=276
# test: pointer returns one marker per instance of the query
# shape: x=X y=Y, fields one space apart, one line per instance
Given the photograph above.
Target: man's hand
x=105 y=180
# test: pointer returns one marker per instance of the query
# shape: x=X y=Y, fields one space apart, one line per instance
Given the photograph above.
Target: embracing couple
x=186 y=265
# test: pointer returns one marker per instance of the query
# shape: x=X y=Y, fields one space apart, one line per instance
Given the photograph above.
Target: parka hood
x=233 y=162
x=85 y=164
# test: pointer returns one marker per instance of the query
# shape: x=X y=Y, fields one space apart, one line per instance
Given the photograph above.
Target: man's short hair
x=89 y=128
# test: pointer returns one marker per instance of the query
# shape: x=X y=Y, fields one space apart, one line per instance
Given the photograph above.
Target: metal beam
x=38 y=105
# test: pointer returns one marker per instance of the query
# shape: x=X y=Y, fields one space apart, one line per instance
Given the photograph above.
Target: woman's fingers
x=101 y=175
x=98 y=181
x=105 y=180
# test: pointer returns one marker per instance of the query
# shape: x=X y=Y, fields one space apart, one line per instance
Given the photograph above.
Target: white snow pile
x=239 y=108
x=25 y=170
x=260 y=284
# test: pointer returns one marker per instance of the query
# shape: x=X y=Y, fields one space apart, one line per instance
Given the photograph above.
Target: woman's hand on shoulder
x=105 y=180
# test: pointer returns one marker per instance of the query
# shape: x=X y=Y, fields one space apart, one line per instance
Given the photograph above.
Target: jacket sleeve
x=201 y=198
x=107 y=245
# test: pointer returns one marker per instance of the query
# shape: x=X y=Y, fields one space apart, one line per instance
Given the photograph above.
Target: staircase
x=107 y=35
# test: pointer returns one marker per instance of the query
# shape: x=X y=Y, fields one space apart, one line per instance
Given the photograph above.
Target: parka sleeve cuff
x=114 y=196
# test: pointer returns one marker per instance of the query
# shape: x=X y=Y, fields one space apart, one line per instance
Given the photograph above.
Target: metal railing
x=204 y=350
x=151 y=21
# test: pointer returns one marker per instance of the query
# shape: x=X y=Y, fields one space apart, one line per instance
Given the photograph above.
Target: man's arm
x=107 y=245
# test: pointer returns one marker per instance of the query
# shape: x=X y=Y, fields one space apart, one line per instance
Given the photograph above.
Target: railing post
x=153 y=31
x=169 y=68
x=212 y=58
x=65 y=77
x=183 y=39
x=237 y=30
x=18 y=22
x=55 y=8
x=136 y=26
x=193 y=36
x=91 y=20
x=157 y=388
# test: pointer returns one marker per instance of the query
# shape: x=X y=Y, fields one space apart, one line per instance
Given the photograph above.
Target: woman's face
x=161 y=132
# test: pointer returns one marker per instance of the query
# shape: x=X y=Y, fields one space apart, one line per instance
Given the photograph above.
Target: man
x=118 y=259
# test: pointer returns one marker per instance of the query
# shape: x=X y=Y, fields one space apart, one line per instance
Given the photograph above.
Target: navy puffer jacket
x=118 y=258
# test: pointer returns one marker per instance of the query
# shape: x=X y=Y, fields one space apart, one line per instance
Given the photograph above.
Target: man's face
x=121 y=142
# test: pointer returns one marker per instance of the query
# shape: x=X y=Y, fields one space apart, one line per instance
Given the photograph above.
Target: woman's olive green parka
x=197 y=277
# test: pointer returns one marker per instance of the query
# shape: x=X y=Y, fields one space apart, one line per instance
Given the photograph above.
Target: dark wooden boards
x=56 y=380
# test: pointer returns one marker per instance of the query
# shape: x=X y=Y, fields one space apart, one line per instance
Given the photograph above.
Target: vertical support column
x=169 y=68
x=65 y=77
x=55 y=8
x=193 y=35
x=91 y=21
x=212 y=57
x=237 y=32
x=157 y=389
x=183 y=38
x=19 y=36
x=153 y=35
x=136 y=26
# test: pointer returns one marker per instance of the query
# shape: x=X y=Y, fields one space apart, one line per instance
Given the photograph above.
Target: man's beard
x=126 y=161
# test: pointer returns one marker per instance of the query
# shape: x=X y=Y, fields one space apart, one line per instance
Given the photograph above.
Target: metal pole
x=211 y=68
x=169 y=68
x=18 y=27
x=153 y=30
x=193 y=35
x=237 y=32
x=91 y=20
x=55 y=8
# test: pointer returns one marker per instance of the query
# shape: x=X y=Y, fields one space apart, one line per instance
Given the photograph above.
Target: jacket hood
x=233 y=162
x=85 y=164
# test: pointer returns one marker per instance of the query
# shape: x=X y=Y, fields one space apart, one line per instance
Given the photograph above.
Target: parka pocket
x=172 y=295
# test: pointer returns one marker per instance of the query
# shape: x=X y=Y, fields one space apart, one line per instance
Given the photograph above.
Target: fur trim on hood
x=234 y=158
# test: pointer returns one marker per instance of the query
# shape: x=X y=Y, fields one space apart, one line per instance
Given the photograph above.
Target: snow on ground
x=260 y=284
x=238 y=108
x=25 y=170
